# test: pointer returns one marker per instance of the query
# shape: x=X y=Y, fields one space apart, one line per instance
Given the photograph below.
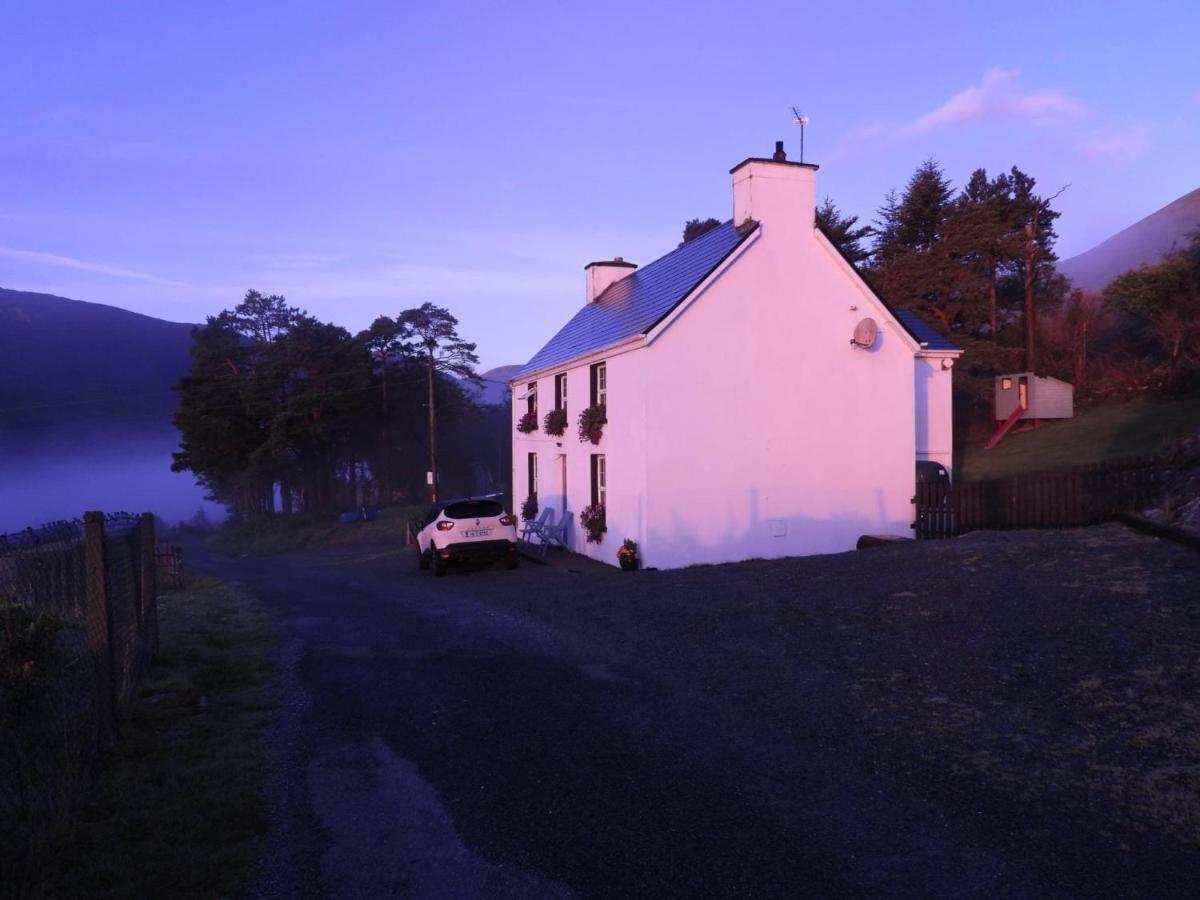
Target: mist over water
x=63 y=475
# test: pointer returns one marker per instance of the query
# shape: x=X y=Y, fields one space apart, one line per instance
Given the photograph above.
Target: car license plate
x=478 y=532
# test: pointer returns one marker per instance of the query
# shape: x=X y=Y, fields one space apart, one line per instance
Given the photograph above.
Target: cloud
x=1119 y=145
x=82 y=265
x=999 y=95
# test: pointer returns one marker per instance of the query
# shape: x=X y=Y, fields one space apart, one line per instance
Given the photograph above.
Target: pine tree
x=693 y=228
x=431 y=334
x=842 y=234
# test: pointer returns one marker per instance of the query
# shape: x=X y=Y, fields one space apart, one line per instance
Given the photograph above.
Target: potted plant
x=592 y=519
x=529 y=508
x=627 y=555
x=591 y=424
x=555 y=423
x=527 y=424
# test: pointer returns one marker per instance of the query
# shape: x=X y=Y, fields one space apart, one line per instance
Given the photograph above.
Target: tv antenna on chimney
x=801 y=121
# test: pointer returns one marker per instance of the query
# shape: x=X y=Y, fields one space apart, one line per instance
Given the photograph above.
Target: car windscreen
x=474 y=509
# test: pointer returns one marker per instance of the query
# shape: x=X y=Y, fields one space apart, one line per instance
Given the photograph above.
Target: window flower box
x=591 y=423
x=529 y=508
x=555 y=423
x=528 y=423
x=592 y=520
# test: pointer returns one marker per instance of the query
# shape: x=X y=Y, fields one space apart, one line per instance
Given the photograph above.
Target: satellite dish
x=865 y=333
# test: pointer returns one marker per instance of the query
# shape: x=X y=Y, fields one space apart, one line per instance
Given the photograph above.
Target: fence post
x=149 y=569
x=99 y=626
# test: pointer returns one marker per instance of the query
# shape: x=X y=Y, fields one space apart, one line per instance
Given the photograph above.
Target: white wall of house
x=768 y=434
x=935 y=411
x=746 y=424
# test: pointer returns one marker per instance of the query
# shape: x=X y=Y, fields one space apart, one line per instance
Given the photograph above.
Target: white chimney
x=774 y=191
x=601 y=274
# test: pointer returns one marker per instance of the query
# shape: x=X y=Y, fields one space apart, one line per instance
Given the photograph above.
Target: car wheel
x=422 y=559
x=439 y=566
x=510 y=562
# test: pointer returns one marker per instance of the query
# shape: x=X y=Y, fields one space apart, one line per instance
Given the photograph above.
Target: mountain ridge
x=86 y=366
x=1142 y=243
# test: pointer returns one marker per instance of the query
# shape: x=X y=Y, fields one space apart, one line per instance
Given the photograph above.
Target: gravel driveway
x=998 y=715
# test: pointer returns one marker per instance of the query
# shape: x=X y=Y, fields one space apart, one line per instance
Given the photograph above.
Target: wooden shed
x=1041 y=396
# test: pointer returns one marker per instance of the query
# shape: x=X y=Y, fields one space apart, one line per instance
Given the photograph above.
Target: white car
x=467 y=529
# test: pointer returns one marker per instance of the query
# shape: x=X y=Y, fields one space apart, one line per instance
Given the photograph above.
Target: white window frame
x=602 y=479
x=560 y=390
x=602 y=385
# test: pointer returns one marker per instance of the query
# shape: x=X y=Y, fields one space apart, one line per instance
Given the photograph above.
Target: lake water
x=58 y=480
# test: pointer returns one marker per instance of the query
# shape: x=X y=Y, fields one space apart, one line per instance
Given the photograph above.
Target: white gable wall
x=935 y=413
x=767 y=434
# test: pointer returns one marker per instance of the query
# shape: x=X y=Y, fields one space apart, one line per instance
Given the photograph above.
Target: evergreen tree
x=431 y=334
x=842 y=233
x=886 y=229
x=693 y=228
x=924 y=207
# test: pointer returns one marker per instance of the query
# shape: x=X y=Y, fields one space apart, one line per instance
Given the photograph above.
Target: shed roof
x=638 y=302
x=926 y=335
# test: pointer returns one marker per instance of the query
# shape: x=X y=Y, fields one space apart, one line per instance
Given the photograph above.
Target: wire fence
x=78 y=626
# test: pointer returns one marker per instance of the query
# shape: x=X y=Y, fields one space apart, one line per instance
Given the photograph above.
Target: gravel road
x=999 y=715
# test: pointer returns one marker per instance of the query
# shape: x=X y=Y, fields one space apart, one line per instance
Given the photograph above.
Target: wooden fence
x=1068 y=498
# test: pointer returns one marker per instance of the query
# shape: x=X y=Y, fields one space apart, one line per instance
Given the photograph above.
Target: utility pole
x=433 y=467
x=1030 y=331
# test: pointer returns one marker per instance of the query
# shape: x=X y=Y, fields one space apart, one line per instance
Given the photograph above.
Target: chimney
x=601 y=274
x=775 y=192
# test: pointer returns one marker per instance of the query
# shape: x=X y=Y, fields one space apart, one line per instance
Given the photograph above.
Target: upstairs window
x=560 y=391
x=531 y=397
x=600 y=384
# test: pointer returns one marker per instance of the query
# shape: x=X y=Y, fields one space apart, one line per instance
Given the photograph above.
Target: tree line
x=282 y=412
x=979 y=263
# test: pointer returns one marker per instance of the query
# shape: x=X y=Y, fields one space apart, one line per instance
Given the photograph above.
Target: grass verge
x=179 y=808
x=280 y=533
x=1111 y=431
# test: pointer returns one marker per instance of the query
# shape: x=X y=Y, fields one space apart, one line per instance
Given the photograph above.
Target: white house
x=743 y=418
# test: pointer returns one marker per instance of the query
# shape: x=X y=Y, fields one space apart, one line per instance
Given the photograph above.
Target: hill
x=87 y=366
x=494 y=391
x=1141 y=243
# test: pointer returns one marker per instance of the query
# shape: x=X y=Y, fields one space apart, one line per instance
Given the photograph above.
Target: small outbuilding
x=1041 y=396
x=1023 y=395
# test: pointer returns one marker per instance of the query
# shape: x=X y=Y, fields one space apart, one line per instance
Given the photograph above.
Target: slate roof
x=926 y=335
x=638 y=302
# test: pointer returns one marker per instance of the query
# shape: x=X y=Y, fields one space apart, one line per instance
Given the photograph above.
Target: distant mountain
x=494 y=391
x=1139 y=244
x=66 y=364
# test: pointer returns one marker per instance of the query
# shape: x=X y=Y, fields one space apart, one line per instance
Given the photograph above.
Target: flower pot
x=628 y=563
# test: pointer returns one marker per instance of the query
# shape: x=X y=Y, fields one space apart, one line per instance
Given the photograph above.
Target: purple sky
x=364 y=157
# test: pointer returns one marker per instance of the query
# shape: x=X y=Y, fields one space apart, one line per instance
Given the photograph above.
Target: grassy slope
x=1104 y=432
x=179 y=809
